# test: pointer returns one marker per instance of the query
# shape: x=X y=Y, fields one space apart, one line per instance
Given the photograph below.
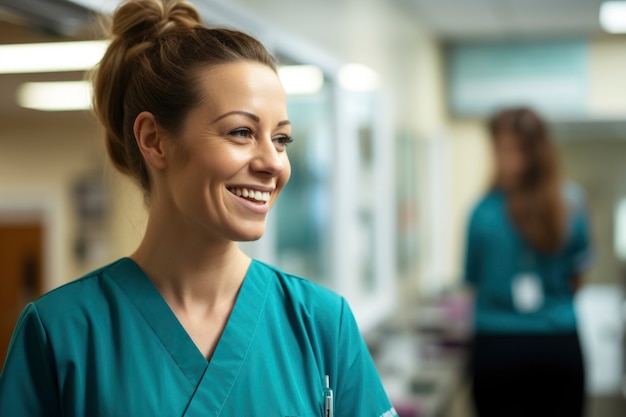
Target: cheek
x=283 y=177
x=287 y=170
x=221 y=164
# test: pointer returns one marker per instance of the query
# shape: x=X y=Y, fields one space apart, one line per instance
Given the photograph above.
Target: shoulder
x=299 y=292
x=76 y=299
x=487 y=209
x=322 y=312
x=492 y=200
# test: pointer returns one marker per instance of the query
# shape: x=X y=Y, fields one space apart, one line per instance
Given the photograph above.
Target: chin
x=250 y=238
x=249 y=235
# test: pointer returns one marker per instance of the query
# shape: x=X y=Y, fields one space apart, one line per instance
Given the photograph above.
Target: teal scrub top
x=497 y=254
x=109 y=345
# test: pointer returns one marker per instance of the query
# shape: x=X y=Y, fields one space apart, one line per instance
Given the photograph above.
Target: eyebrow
x=249 y=115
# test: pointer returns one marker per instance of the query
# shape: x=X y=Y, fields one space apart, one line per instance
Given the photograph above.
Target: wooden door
x=21 y=247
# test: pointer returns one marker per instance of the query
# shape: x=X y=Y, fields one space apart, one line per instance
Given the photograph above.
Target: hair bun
x=147 y=20
x=180 y=16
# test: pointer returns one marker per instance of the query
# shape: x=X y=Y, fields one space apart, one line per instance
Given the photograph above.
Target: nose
x=268 y=159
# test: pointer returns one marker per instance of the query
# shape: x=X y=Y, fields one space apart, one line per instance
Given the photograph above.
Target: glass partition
x=302 y=216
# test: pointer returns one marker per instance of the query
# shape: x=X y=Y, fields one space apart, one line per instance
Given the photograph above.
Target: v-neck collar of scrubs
x=212 y=379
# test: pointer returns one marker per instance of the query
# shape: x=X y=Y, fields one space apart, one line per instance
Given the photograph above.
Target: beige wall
x=597 y=165
x=471 y=170
x=607 y=63
x=41 y=157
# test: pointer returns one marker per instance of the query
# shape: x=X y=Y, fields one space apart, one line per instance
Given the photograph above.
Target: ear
x=150 y=139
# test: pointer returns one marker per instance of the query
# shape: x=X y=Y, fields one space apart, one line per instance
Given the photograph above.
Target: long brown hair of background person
x=535 y=201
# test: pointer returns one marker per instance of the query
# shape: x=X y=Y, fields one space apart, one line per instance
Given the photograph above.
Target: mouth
x=255 y=196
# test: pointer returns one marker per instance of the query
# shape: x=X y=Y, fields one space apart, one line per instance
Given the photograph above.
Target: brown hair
x=151 y=65
x=536 y=205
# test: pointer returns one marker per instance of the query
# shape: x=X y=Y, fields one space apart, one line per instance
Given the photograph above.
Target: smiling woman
x=188 y=324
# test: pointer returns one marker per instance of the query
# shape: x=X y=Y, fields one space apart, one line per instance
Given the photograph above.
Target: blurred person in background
x=527 y=248
x=188 y=324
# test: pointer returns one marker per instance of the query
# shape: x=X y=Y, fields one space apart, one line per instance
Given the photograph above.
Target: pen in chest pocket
x=328 y=398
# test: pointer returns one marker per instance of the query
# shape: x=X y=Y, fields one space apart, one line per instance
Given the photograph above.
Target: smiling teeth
x=252 y=194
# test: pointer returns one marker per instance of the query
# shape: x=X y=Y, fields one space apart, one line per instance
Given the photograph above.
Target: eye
x=242 y=132
x=283 y=140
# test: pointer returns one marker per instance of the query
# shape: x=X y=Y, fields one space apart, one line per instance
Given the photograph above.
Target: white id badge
x=527 y=292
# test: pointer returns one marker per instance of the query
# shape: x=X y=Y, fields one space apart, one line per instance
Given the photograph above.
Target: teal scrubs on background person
x=109 y=345
x=497 y=254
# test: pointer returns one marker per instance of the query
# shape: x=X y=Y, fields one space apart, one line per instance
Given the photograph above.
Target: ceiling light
x=358 y=77
x=101 y=6
x=50 y=56
x=55 y=96
x=613 y=16
x=301 y=79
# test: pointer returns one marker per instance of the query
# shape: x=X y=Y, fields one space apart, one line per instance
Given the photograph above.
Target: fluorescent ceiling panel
x=613 y=16
x=102 y=6
x=50 y=56
x=301 y=79
x=55 y=96
x=358 y=77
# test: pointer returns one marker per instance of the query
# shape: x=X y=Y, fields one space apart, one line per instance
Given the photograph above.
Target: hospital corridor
x=454 y=195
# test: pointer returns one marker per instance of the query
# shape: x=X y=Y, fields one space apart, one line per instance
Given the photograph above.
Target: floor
x=608 y=406
x=605 y=406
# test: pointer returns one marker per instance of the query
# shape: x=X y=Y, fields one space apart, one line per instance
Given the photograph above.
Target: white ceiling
x=450 y=19
x=463 y=19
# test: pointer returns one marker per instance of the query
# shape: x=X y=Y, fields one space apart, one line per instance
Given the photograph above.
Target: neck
x=189 y=269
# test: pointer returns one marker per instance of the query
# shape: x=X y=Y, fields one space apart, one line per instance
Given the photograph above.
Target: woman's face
x=510 y=160
x=231 y=159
